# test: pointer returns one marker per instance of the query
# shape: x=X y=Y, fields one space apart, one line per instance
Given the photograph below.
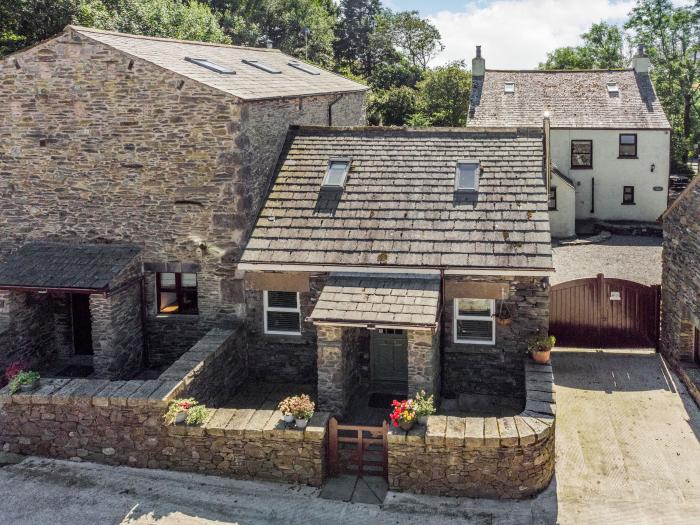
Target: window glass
x=167 y=280
x=283 y=322
x=467 y=175
x=471 y=307
x=474 y=330
x=628 y=145
x=168 y=302
x=189 y=280
x=282 y=313
x=553 y=198
x=336 y=173
x=628 y=195
x=581 y=153
x=282 y=299
x=177 y=293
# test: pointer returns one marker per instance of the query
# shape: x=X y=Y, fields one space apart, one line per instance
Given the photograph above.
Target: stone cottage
x=610 y=138
x=131 y=173
x=680 y=321
x=395 y=260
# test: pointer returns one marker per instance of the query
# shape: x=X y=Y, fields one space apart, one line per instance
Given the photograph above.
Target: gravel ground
x=634 y=258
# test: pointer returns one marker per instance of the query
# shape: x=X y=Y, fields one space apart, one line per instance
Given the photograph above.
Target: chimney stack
x=641 y=62
x=478 y=64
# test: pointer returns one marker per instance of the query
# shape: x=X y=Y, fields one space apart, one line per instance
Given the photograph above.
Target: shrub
x=424 y=404
x=404 y=412
x=196 y=413
x=541 y=343
x=300 y=407
x=23 y=378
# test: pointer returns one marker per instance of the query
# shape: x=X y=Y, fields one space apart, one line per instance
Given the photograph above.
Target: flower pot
x=504 y=321
x=288 y=418
x=423 y=420
x=541 y=357
x=406 y=425
x=301 y=423
x=29 y=387
x=180 y=417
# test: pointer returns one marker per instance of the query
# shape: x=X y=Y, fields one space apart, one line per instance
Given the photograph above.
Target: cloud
x=518 y=34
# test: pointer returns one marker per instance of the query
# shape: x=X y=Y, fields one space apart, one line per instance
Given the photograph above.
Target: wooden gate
x=600 y=313
x=355 y=449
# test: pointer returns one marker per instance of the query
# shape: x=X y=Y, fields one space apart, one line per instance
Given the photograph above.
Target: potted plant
x=187 y=411
x=285 y=407
x=424 y=405
x=302 y=408
x=24 y=381
x=404 y=414
x=540 y=348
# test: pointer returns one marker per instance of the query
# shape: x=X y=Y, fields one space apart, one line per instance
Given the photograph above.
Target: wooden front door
x=82 y=324
x=389 y=356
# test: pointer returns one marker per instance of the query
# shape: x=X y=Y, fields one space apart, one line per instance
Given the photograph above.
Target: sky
x=514 y=34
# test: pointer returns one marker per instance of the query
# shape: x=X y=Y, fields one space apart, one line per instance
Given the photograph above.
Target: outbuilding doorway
x=82 y=324
x=389 y=358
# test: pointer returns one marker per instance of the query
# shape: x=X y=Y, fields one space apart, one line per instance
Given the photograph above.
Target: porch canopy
x=76 y=268
x=377 y=301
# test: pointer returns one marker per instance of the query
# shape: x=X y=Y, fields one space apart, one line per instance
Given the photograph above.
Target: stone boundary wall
x=120 y=422
x=507 y=457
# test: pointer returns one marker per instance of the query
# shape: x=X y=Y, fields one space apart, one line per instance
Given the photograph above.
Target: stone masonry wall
x=423 y=362
x=508 y=457
x=92 y=150
x=680 y=288
x=120 y=422
x=496 y=369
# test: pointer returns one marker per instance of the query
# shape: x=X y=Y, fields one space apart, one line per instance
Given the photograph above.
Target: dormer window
x=213 y=66
x=261 y=65
x=509 y=87
x=336 y=174
x=303 y=67
x=613 y=90
x=467 y=175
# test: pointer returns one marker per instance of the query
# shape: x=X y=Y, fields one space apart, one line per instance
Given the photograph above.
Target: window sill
x=581 y=167
x=628 y=204
x=474 y=343
x=622 y=158
x=177 y=316
x=294 y=335
x=552 y=209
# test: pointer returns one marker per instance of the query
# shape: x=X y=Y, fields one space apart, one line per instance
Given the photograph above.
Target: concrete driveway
x=628 y=440
x=628 y=452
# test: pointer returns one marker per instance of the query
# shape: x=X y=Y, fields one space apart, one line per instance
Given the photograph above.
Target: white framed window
x=336 y=173
x=467 y=175
x=474 y=321
x=282 y=313
x=509 y=87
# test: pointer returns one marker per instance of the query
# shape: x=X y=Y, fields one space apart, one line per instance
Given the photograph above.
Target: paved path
x=635 y=258
x=628 y=440
x=628 y=452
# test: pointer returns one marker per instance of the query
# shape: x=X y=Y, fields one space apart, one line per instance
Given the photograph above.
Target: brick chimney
x=478 y=64
x=641 y=62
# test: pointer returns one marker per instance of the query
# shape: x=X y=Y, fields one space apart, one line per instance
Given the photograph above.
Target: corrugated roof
x=249 y=82
x=405 y=300
x=399 y=206
x=66 y=266
x=574 y=99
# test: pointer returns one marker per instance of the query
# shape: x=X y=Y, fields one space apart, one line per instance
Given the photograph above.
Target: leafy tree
x=355 y=45
x=402 y=73
x=672 y=37
x=443 y=96
x=602 y=48
x=415 y=37
x=393 y=107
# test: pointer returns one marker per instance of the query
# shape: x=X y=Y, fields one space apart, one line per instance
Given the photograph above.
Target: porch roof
x=89 y=268
x=379 y=300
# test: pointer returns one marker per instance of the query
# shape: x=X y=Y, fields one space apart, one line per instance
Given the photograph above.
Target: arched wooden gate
x=605 y=313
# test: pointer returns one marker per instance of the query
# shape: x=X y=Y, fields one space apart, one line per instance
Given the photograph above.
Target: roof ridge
x=613 y=70
x=84 y=29
x=520 y=130
x=688 y=189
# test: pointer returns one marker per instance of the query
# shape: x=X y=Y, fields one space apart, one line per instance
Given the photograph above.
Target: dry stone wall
x=120 y=423
x=508 y=457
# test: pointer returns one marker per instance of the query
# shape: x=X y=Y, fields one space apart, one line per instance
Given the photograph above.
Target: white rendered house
x=610 y=139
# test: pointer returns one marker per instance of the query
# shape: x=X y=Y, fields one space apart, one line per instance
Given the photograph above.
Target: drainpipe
x=330 y=109
x=592 y=194
x=547 y=152
x=144 y=318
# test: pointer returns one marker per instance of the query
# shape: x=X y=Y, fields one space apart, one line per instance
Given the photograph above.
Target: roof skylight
x=613 y=89
x=467 y=175
x=261 y=65
x=213 y=66
x=304 y=68
x=509 y=87
x=336 y=173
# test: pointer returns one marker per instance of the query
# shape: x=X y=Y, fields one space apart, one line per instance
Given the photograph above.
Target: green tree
x=415 y=37
x=672 y=37
x=443 y=96
x=393 y=107
x=355 y=45
x=397 y=74
x=603 y=48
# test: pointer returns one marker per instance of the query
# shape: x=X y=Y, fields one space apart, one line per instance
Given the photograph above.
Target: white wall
x=562 y=221
x=612 y=173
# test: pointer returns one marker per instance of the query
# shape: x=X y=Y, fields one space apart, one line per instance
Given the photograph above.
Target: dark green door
x=389 y=356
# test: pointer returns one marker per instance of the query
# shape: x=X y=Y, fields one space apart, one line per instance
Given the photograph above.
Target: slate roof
x=249 y=82
x=65 y=266
x=399 y=206
x=574 y=99
x=379 y=299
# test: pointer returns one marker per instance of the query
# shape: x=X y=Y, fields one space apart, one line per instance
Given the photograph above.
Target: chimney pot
x=478 y=64
x=641 y=50
x=478 y=51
